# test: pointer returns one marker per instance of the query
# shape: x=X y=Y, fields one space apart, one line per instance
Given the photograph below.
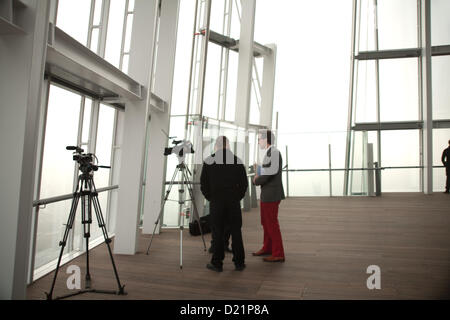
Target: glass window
x=104 y=144
x=115 y=31
x=183 y=57
x=308 y=184
x=73 y=18
x=440 y=22
x=399 y=96
x=400 y=148
x=129 y=30
x=61 y=130
x=86 y=121
x=232 y=86
x=212 y=78
x=217 y=15
x=130 y=5
x=400 y=180
x=50 y=231
x=57 y=171
x=440 y=89
x=94 y=39
x=365 y=101
x=97 y=12
x=397 y=24
x=366 y=30
x=440 y=142
x=255 y=101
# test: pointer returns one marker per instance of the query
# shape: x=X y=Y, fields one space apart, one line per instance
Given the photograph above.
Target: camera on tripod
x=181 y=148
x=86 y=161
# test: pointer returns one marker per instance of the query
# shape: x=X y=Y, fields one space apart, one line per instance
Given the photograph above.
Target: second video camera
x=181 y=148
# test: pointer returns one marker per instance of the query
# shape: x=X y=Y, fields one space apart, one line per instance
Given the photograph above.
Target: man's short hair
x=268 y=134
x=222 y=142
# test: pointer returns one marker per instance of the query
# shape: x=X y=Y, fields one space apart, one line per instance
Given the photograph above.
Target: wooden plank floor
x=329 y=243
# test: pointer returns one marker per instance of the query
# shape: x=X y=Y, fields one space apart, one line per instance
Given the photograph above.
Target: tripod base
x=115 y=292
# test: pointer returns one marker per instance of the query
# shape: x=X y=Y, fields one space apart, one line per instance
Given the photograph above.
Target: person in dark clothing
x=226 y=240
x=224 y=183
x=446 y=162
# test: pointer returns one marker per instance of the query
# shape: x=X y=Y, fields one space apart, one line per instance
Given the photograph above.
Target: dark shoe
x=260 y=253
x=274 y=259
x=212 y=267
x=240 y=267
x=446 y=191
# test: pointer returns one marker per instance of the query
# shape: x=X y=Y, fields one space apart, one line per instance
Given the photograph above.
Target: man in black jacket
x=446 y=162
x=224 y=183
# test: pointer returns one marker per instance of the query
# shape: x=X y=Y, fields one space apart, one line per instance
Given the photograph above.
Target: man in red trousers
x=268 y=176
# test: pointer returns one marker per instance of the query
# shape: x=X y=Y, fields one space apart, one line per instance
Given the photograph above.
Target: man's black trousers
x=226 y=213
x=447 y=184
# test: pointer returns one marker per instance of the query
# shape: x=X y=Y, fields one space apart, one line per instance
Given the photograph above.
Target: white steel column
x=135 y=124
x=245 y=65
x=427 y=98
x=156 y=165
x=244 y=80
x=22 y=60
x=268 y=87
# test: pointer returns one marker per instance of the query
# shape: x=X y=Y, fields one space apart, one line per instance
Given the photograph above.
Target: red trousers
x=272 y=235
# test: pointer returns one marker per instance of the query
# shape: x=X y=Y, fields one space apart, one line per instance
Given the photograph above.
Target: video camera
x=181 y=148
x=86 y=161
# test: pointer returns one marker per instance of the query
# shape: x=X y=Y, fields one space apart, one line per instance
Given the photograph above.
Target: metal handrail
x=357 y=169
x=42 y=202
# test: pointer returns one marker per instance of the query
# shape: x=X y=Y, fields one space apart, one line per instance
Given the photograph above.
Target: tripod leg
x=102 y=225
x=69 y=226
x=196 y=215
x=161 y=210
x=86 y=221
x=181 y=243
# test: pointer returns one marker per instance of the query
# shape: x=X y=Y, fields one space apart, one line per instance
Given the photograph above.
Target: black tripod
x=181 y=167
x=88 y=193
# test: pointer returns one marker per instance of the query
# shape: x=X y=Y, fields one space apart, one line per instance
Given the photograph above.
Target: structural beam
x=402 y=53
x=136 y=120
x=388 y=54
x=259 y=50
x=70 y=62
x=160 y=121
x=245 y=64
x=427 y=97
x=268 y=87
x=399 y=125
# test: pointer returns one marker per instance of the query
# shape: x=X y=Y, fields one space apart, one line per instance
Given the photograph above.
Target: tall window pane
x=440 y=89
x=61 y=131
x=397 y=24
x=115 y=30
x=57 y=171
x=104 y=144
x=183 y=57
x=400 y=148
x=440 y=22
x=399 y=96
x=73 y=18
x=50 y=231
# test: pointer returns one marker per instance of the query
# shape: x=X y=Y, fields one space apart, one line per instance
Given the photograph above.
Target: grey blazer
x=270 y=178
